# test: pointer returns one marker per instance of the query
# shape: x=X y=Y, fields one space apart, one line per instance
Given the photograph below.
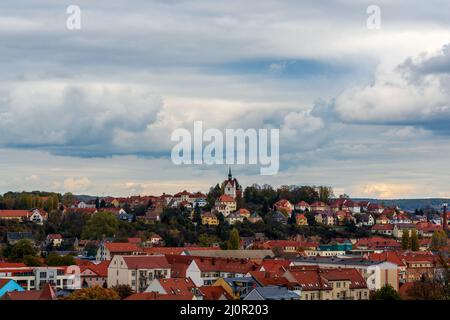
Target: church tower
x=231 y=186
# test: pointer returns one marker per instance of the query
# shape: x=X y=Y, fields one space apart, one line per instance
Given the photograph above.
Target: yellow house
x=301 y=220
x=210 y=219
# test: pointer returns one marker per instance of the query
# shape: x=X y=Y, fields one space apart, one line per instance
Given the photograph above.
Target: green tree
x=414 y=241
x=32 y=261
x=101 y=224
x=438 y=240
x=54 y=259
x=21 y=249
x=234 y=242
x=387 y=292
x=405 y=240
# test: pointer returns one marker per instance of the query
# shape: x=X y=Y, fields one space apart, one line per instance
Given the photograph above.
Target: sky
x=91 y=110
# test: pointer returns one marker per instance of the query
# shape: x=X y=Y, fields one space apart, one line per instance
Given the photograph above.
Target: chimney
x=444 y=220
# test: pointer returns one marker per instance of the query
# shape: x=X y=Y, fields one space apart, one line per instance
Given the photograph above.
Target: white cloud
x=77 y=185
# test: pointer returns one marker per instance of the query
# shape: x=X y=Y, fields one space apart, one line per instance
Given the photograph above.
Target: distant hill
x=410 y=204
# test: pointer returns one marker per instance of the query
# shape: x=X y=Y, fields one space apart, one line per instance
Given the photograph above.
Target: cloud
x=80 y=184
x=414 y=94
x=75 y=119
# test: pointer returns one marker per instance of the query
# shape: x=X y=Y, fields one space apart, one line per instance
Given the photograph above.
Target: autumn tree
x=95 y=293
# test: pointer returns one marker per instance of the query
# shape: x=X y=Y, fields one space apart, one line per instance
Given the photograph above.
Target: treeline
x=266 y=194
x=29 y=200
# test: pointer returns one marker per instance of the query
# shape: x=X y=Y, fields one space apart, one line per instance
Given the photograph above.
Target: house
x=234 y=218
x=174 y=286
x=155 y=239
x=231 y=187
x=426 y=229
x=382 y=219
x=375 y=208
x=94 y=274
x=137 y=271
x=33 y=278
x=386 y=229
x=366 y=219
x=329 y=284
x=244 y=213
x=375 y=273
x=319 y=206
x=209 y=219
x=377 y=243
x=154 y=214
x=328 y=218
x=342 y=217
x=37 y=216
x=399 y=228
x=237 y=288
x=301 y=220
x=284 y=205
x=9 y=285
x=271 y=293
x=227 y=201
x=280 y=217
x=13 y=237
x=302 y=206
x=290 y=245
x=46 y=293
x=107 y=250
x=254 y=218
x=205 y=270
x=55 y=239
x=214 y=293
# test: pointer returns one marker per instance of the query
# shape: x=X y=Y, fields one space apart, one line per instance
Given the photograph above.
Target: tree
x=54 y=259
x=101 y=224
x=438 y=240
x=325 y=194
x=21 y=249
x=123 y=290
x=68 y=199
x=197 y=218
x=95 y=293
x=387 y=292
x=405 y=240
x=234 y=242
x=32 y=261
x=414 y=241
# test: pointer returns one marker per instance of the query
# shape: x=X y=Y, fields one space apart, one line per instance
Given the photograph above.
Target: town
x=232 y=243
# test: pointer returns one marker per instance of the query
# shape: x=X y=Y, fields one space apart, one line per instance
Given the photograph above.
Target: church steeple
x=229 y=174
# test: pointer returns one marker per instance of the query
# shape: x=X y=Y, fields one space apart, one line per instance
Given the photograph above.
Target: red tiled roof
x=122 y=247
x=214 y=292
x=47 y=293
x=54 y=236
x=146 y=262
x=14 y=213
x=226 y=198
x=177 y=286
x=101 y=269
x=356 y=279
x=389 y=256
x=12 y=265
x=271 y=279
x=225 y=265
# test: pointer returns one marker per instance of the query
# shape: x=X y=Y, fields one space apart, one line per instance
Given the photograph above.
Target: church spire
x=229 y=174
